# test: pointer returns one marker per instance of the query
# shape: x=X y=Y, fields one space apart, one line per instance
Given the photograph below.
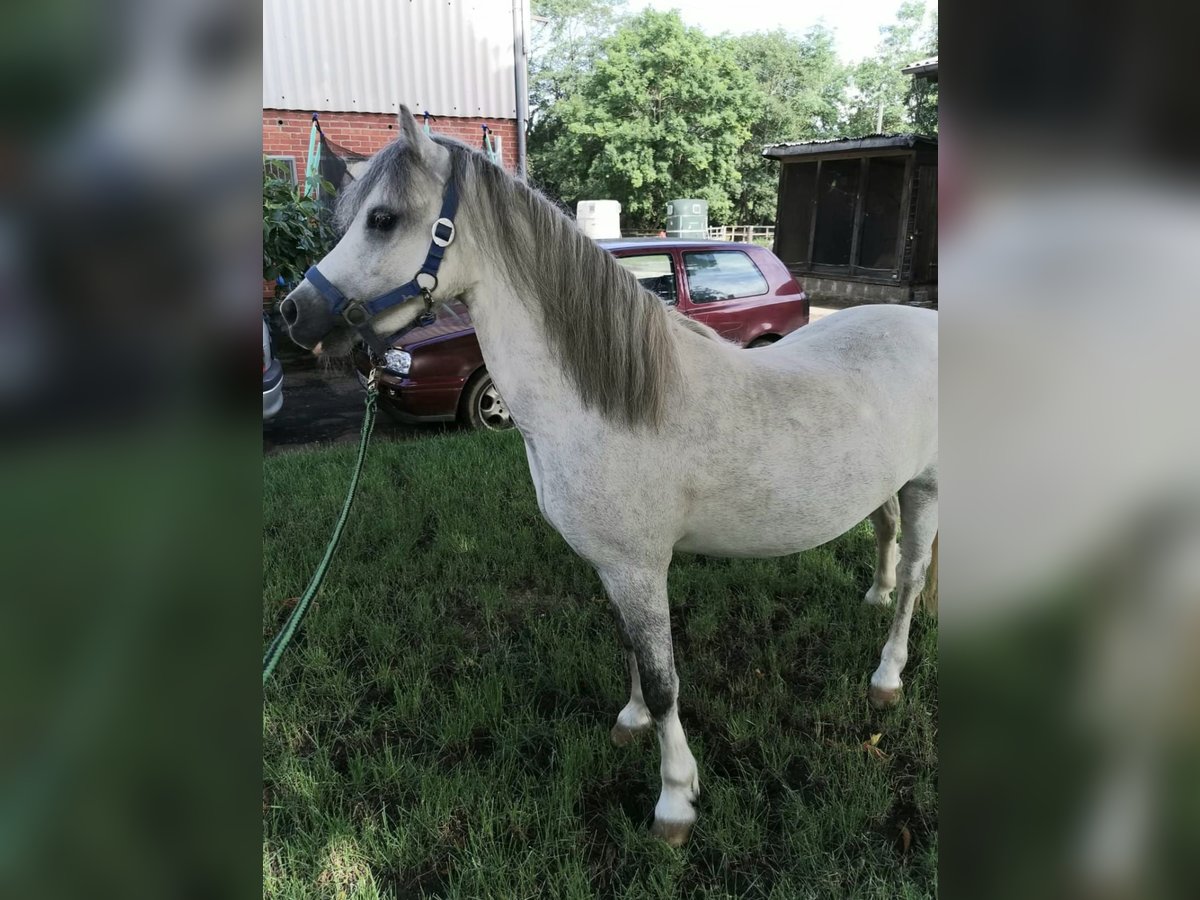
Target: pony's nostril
x=287 y=309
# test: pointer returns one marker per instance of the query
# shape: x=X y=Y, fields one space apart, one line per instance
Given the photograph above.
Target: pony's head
x=387 y=220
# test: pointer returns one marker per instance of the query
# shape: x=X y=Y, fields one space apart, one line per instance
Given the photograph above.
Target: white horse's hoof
x=674 y=814
x=876 y=597
x=675 y=834
x=883 y=697
x=623 y=735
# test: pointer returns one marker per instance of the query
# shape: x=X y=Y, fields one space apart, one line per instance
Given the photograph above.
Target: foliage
x=296 y=229
x=922 y=100
x=798 y=91
x=440 y=726
x=877 y=82
x=662 y=114
x=615 y=101
x=563 y=47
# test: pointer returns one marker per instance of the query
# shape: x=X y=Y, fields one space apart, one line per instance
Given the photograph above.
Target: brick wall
x=285 y=133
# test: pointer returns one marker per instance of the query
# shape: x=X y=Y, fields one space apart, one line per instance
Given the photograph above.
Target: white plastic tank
x=599 y=218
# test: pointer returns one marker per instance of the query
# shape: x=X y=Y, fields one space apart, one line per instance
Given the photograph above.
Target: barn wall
x=450 y=57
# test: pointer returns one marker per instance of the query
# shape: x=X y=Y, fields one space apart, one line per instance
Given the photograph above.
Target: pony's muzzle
x=306 y=315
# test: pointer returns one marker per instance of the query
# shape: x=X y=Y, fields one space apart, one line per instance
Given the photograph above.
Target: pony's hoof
x=883 y=698
x=623 y=735
x=675 y=834
x=875 y=597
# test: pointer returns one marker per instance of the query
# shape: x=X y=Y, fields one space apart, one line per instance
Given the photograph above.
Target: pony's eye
x=381 y=220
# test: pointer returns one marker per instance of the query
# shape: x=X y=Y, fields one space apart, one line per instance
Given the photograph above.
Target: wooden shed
x=857 y=218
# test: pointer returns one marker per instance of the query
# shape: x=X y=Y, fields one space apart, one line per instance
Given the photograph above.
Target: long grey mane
x=614 y=338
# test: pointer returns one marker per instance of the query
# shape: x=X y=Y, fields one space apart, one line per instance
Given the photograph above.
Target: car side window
x=656 y=273
x=722 y=275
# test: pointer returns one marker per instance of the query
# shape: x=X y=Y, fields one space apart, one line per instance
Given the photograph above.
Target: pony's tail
x=929 y=594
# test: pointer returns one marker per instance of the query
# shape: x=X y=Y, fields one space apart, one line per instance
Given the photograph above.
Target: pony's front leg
x=640 y=598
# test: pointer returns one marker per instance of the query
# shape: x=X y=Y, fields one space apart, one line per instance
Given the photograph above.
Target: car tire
x=761 y=342
x=482 y=406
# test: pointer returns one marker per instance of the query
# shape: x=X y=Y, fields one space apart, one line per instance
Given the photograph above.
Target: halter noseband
x=358 y=313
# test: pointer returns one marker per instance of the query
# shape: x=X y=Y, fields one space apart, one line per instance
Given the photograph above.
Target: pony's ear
x=415 y=135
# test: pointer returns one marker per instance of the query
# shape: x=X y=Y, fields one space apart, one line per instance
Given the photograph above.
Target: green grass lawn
x=440 y=725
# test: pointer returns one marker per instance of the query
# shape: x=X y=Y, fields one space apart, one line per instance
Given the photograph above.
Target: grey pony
x=645 y=432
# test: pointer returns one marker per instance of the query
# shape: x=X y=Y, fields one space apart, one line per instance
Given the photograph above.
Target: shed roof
x=923 y=68
x=841 y=145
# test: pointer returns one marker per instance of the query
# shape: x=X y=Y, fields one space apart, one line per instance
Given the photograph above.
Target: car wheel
x=483 y=407
x=761 y=342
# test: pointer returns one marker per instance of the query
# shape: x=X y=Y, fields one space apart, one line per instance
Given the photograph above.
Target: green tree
x=663 y=112
x=799 y=88
x=922 y=100
x=564 y=41
x=878 y=85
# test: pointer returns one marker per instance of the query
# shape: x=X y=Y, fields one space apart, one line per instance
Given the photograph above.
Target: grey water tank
x=687 y=218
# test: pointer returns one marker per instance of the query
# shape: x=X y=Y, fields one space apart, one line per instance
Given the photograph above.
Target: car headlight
x=397 y=361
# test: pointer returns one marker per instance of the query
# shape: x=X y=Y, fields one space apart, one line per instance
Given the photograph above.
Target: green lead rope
x=280 y=643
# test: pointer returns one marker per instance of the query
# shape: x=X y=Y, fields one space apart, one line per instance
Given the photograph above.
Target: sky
x=855 y=23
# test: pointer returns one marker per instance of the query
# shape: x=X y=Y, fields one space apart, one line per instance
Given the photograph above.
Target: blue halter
x=358 y=314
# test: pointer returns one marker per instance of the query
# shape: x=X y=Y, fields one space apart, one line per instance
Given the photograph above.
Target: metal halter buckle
x=350 y=312
x=438 y=239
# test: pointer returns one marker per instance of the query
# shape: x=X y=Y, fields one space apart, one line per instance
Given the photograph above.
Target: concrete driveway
x=323 y=405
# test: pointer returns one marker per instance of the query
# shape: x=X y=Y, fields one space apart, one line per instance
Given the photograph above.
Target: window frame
x=693 y=301
x=671 y=261
x=271 y=159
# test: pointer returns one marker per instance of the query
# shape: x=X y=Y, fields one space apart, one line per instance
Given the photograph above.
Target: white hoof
x=883 y=697
x=674 y=816
x=676 y=834
x=877 y=597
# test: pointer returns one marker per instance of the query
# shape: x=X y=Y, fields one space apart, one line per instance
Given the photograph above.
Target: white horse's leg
x=641 y=601
x=884 y=520
x=634 y=719
x=918 y=527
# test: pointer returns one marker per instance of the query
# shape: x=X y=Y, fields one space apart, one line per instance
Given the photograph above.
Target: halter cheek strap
x=358 y=314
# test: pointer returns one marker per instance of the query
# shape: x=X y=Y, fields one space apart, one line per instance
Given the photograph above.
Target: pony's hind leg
x=634 y=719
x=640 y=598
x=918 y=527
x=885 y=519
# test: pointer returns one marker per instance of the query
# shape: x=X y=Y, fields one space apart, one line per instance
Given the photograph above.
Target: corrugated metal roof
x=837 y=145
x=922 y=67
x=451 y=57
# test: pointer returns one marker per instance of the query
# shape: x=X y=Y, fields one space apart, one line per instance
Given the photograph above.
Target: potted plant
x=296 y=230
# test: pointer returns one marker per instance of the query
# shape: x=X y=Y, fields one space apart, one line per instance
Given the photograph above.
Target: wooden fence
x=746 y=233
x=763 y=234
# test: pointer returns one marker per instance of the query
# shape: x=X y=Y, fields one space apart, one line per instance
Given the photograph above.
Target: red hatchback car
x=741 y=290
